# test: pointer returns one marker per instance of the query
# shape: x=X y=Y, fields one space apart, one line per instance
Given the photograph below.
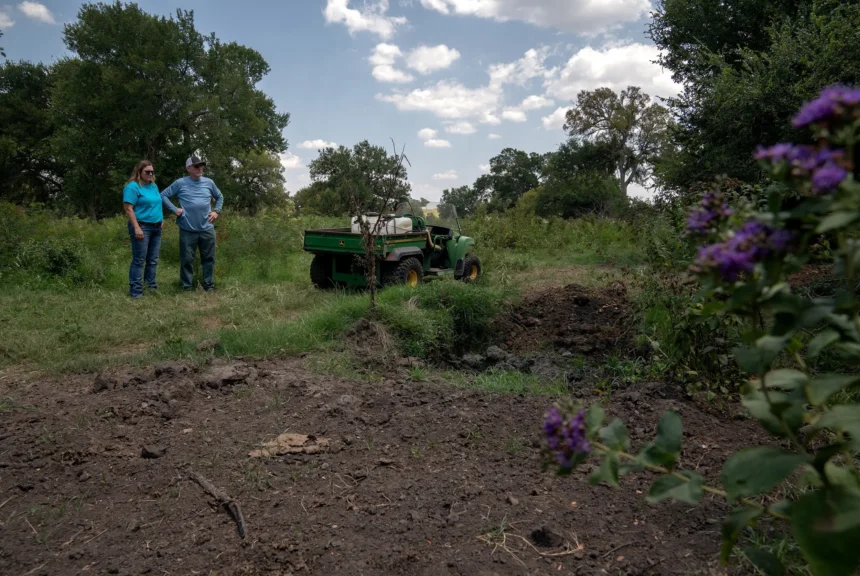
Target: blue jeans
x=144 y=259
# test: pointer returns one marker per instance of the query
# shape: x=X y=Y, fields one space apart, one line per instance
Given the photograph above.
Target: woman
x=142 y=204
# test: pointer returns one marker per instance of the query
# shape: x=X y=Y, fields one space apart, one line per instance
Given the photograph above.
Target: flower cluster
x=566 y=438
x=834 y=103
x=711 y=212
x=825 y=168
x=754 y=242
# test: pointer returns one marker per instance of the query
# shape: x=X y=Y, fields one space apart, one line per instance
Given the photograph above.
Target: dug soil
x=104 y=476
x=575 y=319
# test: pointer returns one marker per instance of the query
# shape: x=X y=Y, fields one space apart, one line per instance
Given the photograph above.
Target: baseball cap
x=194 y=160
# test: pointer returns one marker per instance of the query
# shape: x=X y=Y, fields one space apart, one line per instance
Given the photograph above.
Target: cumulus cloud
x=583 y=16
x=514 y=115
x=427 y=59
x=291 y=162
x=460 y=128
x=37 y=11
x=484 y=167
x=531 y=65
x=383 y=58
x=616 y=67
x=447 y=175
x=428 y=136
x=494 y=137
x=5 y=20
x=536 y=102
x=555 y=121
x=447 y=99
x=371 y=17
x=315 y=144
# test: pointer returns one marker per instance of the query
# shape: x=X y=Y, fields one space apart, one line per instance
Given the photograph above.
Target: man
x=195 y=219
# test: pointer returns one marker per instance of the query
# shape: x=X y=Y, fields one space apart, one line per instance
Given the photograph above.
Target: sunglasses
x=199 y=165
x=149 y=171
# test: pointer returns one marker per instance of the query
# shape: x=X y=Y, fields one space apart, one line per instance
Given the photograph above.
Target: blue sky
x=456 y=81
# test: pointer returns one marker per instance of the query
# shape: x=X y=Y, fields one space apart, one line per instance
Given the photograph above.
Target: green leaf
x=822 y=341
x=785 y=379
x=771 y=346
x=764 y=561
x=749 y=359
x=757 y=470
x=840 y=476
x=812 y=315
x=771 y=415
x=594 y=419
x=837 y=220
x=666 y=447
x=844 y=418
x=666 y=487
x=825 y=385
x=615 y=435
x=828 y=542
x=608 y=471
x=732 y=527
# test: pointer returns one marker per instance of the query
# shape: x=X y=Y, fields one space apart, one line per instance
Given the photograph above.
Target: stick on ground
x=228 y=503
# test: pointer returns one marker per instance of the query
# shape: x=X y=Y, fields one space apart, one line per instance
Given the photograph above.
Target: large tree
x=634 y=127
x=512 y=174
x=464 y=198
x=142 y=86
x=28 y=172
x=364 y=171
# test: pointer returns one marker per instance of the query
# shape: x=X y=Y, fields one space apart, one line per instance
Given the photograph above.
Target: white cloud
x=616 y=67
x=6 y=20
x=514 y=115
x=490 y=118
x=427 y=59
x=584 y=16
x=531 y=65
x=315 y=144
x=536 y=102
x=555 y=121
x=425 y=191
x=370 y=18
x=291 y=162
x=428 y=135
x=484 y=167
x=448 y=175
x=494 y=137
x=462 y=127
x=383 y=58
x=447 y=99
x=37 y=11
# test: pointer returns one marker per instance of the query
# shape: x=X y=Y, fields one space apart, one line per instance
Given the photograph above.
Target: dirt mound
x=418 y=478
x=574 y=319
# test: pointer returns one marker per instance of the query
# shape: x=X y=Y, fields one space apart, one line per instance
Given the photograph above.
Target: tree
x=464 y=198
x=2 y=53
x=28 y=172
x=634 y=128
x=362 y=171
x=512 y=174
x=150 y=87
x=258 y=179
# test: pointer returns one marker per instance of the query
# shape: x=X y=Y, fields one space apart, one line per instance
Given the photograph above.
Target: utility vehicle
x=408 y=248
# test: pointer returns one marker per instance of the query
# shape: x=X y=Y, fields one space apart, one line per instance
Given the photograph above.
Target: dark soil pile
x=590 y=322
x=389 y=478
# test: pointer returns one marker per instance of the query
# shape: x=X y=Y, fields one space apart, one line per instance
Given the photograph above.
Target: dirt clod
x=151 y=452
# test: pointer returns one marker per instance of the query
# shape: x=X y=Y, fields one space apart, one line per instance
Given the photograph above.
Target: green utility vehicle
x=409 y=250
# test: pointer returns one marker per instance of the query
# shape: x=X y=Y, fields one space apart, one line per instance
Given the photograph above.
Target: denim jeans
x=144 y=259
x=189 y=242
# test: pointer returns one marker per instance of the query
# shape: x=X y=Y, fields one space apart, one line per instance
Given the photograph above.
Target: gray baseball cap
x=194 y=160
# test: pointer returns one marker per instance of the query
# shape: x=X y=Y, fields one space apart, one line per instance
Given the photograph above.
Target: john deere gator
x=409 y=250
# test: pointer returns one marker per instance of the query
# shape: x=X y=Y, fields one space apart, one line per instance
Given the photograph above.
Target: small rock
x=324 y=466
x=221 y=376
x=496 y=354
x=566 y=354
x=148 y=452
x=474 y=361
x=532 y=321
x=385 y=461
x=84 y=476
x=346 y=400
x=207 y=345
x=102 y=383
x=512 y=500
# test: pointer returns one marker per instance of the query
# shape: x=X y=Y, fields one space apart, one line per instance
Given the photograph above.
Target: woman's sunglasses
x=149 y=171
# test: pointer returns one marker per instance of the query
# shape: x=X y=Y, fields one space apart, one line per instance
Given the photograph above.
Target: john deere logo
x=341 y=242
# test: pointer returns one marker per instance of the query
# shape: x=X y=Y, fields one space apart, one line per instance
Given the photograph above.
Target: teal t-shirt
x=146 y=201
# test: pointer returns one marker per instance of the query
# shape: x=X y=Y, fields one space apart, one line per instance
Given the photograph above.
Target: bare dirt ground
x=400 y=477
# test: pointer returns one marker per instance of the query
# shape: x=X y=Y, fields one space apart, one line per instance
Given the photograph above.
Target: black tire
x=409 y=271
x=471 y=268
x=321 y=271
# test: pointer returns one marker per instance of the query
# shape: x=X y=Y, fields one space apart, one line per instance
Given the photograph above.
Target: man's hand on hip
x=179 y=212
x=213 y=216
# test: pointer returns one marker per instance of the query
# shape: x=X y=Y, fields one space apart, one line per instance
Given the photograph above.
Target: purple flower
x=565 y=438
x=708 y=216
x=827 y=178
x=832 y=103
x=739 y=254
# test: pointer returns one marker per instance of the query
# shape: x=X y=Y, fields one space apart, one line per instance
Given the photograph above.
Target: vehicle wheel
x=321 y=271
x=409 y=272
x=471 y=268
